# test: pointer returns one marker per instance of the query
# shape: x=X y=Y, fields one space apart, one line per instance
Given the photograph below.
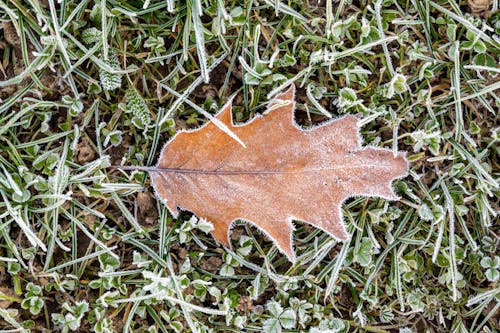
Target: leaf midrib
x=242 y=172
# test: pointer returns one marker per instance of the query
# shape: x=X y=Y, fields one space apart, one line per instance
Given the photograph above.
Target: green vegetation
x=91 y=83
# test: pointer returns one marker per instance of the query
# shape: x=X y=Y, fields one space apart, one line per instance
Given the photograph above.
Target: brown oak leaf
x=281 y=173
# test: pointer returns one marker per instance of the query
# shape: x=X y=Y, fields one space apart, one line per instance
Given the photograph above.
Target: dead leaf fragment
x=84 y=152
x=285 y=173
x=148 y=213
x=10 y=34
x=6 y=296
x=480 y=8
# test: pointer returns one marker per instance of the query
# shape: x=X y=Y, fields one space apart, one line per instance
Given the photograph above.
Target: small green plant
x=108 y=264
x=110 y=76
x=333 y=325
x=71 y=317
x=75 y=105
x=349 y=102
x=280 y=318
x=397 y=85
x=138 y=108
x=156 y=45
x=492 y=267
x=184 y=231
x=33 y=300
x=173 y=319
x=429 y=138
x=114 y=138
x=102 y=323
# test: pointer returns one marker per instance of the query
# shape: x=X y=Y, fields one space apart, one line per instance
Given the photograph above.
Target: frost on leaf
x=110 y=81
x=284 y=173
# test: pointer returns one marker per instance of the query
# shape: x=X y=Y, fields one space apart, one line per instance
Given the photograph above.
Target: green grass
x=89 y=84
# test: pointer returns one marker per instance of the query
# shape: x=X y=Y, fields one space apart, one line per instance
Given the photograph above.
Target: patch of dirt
x=116 y=153
x=211 y=264
x=345 y=297
x=182 y=254
x=89 y=219
x=304 y=119
x=236 y=232
x=83 y=243
x=213 y=89
x=496 y=315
